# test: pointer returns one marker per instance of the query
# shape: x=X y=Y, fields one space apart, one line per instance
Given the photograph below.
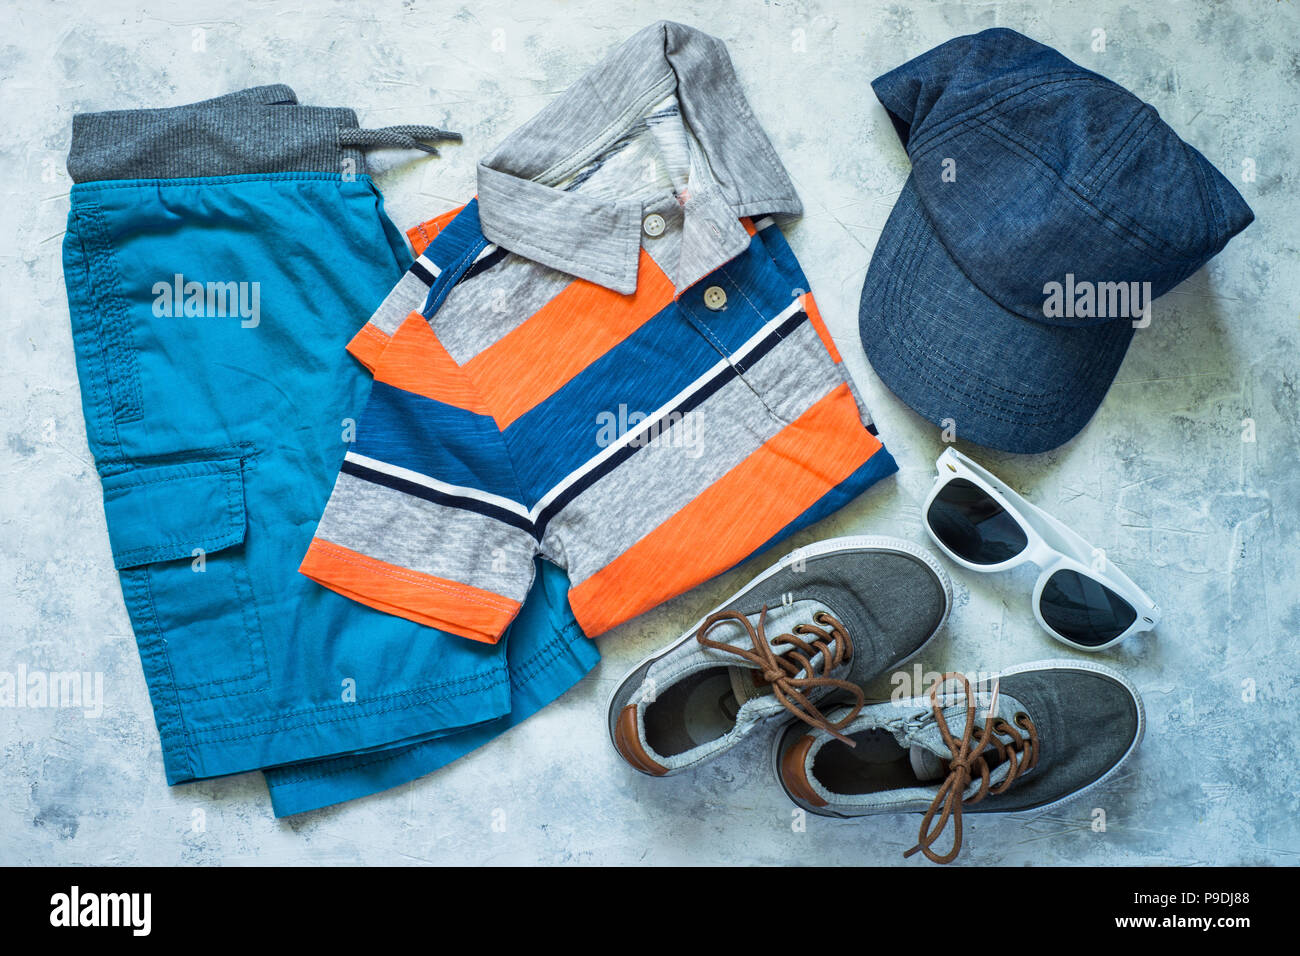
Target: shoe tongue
x=746 y=680
x=926 y=764
x=743 y=684
x=929 y=755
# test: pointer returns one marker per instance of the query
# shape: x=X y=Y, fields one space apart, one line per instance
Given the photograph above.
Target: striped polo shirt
x=608 y=358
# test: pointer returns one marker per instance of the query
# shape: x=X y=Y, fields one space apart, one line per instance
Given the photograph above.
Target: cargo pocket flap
x=167 y=512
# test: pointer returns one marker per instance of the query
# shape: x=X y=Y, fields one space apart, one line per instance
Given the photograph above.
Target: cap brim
x=952 y=353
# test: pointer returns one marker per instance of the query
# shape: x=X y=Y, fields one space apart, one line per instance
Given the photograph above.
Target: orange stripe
x=368 y=344
x=424 y=598
x=420 y=236
x=417 y=362
x=578 y=326
x=815 y=316
x=723 y=525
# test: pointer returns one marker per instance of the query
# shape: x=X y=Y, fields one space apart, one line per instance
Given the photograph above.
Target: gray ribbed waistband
x=258 y=130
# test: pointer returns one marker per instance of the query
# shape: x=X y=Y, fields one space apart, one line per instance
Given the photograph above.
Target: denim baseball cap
x=1027 y=170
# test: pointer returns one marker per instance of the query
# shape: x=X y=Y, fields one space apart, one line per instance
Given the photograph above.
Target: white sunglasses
x=1081 y=599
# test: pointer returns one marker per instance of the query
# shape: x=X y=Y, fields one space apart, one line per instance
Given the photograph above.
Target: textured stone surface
x=1162 y=480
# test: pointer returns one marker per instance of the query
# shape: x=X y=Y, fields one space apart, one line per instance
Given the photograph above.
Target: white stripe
x=459 y=491
x=430 y=265
x=750 y=344
x=763 y=223
x=487 y=251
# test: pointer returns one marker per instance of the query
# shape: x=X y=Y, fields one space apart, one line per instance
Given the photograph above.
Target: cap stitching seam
x=1120 y=229
x=1126 y=227
x=1098 y=179
x=952 y=126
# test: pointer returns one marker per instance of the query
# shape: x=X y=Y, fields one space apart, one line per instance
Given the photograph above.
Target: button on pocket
x=715 y=298
x=653 y=225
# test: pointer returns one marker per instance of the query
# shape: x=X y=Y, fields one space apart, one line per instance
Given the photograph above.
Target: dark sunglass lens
x=1083 y=610
x=974 y=526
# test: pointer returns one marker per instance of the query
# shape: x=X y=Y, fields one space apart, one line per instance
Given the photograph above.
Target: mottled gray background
x=1161 y=479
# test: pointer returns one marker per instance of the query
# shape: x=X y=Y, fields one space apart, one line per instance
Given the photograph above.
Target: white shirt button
x=653 y=225
x=715 y=298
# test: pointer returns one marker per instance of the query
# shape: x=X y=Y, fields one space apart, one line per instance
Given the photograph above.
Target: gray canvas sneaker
x=1057 y=729
x=810 y=630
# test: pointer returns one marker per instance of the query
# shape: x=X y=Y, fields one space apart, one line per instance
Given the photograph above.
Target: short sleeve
x=426 y=519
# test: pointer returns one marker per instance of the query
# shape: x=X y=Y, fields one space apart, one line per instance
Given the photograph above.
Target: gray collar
x=521 y=210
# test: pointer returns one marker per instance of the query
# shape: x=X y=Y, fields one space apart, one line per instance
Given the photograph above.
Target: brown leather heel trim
x=793 y=775
x=628 y=743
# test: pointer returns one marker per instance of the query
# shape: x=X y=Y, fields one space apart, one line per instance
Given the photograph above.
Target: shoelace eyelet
x=970 y=762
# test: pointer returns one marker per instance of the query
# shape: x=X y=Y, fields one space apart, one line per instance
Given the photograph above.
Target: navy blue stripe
x=769 y=343
x=439 y=497
x=687 y=405
x=421 y=273
x=484 y=264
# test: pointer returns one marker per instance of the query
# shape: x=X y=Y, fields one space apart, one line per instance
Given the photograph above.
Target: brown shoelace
x=781 y=670
x=1020 y=754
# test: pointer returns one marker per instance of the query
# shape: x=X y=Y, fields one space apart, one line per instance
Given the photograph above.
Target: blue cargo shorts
x=219 y=257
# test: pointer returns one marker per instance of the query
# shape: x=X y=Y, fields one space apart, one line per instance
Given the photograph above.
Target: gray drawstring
x=398 y=137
